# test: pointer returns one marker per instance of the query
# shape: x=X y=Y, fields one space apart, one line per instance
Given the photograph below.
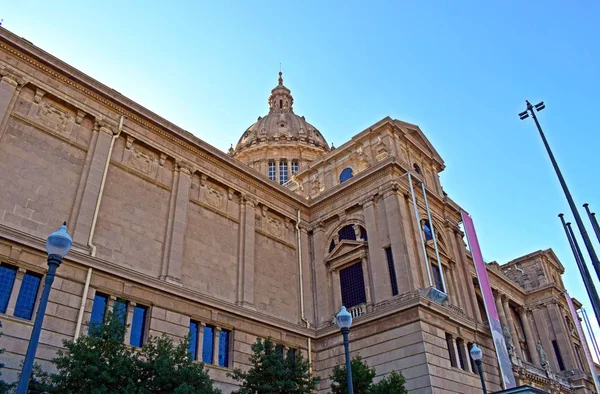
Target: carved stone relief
x=55 y=116
x=143 y=160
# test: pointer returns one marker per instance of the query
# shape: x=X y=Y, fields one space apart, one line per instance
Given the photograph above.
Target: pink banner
x=584 y=344
x=508 y=378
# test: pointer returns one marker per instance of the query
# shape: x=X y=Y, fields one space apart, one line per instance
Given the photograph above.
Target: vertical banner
x=508 y=378
x=584 y=343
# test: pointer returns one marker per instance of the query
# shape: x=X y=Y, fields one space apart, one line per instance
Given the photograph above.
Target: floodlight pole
x=582 y=230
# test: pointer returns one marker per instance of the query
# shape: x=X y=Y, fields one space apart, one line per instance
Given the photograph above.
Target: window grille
x=437 y=277
x=294 y=166
x=392 y=270
x=352 y=283
x=207 y=345
x=7 y=280
x=193 y=345
x=138 y=326
x=27 y=295
x=224 y=348
x=272 y=170
x=347 y=232
x=283 y=171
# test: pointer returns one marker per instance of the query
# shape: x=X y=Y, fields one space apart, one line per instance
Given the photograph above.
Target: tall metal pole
x=54 y=261
x=593 y=219
x=584 y=234
x=583 y=269
x=480 y=370
x=345 y=332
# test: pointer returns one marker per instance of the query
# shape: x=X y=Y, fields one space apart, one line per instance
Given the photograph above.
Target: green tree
x=362 y=377
x=163 y=367
x=4 y=387
x=391 y=384
x=270 y=374
x=99 y=363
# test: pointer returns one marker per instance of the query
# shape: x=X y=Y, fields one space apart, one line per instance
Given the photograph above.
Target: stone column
x=10 y=87
x=277 y=172
x=200 y=341
x=309 y=311
x=500 y=309
x=466 y=278
x=457 y=272
x=130 y=307
x=467 y=357
x=216 y=341
x=179 y=222
x=367 y=277
x=248 y=253
x=91 y=190
x=14 y=294
x=562 y=335
x=321 y=286
x=511 y=326
x=396 y=231
x=529 y=340
x=542 y=329
x=379 y=273
x=337 y=290
x=454 y=351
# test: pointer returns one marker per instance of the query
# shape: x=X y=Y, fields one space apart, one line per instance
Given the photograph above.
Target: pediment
x=346 y=251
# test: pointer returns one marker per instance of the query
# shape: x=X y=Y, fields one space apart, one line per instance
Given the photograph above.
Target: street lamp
x=586 y=239
x=476 y=355
x=344 y=320
x=58 y=245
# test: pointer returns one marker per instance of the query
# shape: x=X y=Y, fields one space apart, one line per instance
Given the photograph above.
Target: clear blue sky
x=461 y=70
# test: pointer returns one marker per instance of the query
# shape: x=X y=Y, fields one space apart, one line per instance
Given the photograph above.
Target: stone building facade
x=267 y=240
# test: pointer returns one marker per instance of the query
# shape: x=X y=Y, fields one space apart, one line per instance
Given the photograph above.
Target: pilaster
x=470 y=296
x=248 y=245
x=397 y=241
x=84 y=221
x=320 y=275
x=179 y=219
x=512 y=328
x=200 y=341
x=216 y=342
x=380 y=277
x=128 y=323
x=14 y=294
x=11 y=84
x=562 y=336
x=529 y=340
x=542 y=328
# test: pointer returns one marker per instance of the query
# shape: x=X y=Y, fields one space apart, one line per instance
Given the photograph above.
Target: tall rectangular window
x=283 y=171
x=98 y=311
x=207 y=345
x=461 y=353
x=272 y=170
x=224 y=348
x=27 y=295
x=473 y=366
x=294 y=166
x=7 y=280
x=193 y=345
x=352 y=283
x=138 y=326
x=437 y=277
x=279 y=350
x=451 y=352
x=561 y=365
x=390 y=261
x=120 y=310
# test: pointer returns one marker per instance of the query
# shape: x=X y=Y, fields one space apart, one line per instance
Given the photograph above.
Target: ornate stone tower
x=281 y=142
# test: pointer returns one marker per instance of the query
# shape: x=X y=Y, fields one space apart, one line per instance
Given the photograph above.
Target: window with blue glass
x=427 y=231
x=294 y=166
x=193 y=345
x=272 y=170
x=437 y=277
x=27 y=295
x=331 y=245
x=347 y=232
x=138 y=326
x=392 y=270
x=283 y=171
x=207 y=345
x=352 y=283
x=346 y=174
x=7 y=280
x=279 y=350
x=224 y=348
x=120 y=310
x=98 y=311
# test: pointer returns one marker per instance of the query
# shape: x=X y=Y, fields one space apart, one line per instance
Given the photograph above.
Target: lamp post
x=586 y=239
x=476 y=355
x=344 y=321
x=58 y=245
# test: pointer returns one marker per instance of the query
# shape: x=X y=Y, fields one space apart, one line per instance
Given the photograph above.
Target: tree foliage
x=101 y=363
x=362 y=380
x=271 y=374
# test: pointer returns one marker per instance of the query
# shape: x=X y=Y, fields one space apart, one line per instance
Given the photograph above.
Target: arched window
x=347 y=232
x=417 y=168
x=346 y=174
x=427 y=230
x=350 y=232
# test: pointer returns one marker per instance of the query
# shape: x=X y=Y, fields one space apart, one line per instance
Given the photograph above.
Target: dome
x=280 y=135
